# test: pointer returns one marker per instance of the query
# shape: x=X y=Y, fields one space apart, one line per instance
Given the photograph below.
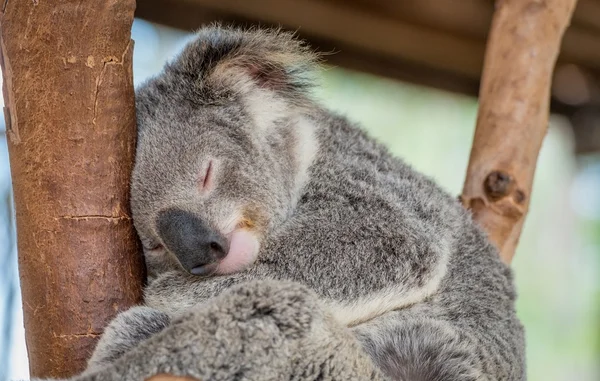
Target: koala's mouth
x=205 y=270
x=243 y=251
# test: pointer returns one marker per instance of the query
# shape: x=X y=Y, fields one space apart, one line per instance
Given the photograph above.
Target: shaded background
x=557 y=265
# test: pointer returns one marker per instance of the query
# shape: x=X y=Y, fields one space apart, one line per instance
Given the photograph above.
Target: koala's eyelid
x=206 y=180
x=208 y=174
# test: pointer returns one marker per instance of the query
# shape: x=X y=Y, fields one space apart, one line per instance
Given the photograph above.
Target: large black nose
x=197 y=247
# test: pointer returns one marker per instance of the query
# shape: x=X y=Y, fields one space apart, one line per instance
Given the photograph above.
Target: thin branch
x=523 y=45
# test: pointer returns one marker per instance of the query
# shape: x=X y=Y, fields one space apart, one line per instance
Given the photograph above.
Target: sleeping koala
x=283 y=243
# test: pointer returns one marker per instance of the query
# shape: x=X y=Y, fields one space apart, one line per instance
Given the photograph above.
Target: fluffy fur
x=391 y=279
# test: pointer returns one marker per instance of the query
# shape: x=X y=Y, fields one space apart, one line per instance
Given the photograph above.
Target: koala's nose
x=197 y=247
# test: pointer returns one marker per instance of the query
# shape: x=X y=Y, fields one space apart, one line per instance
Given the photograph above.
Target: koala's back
x=372 y=221
x=397 y=258
x=468 y=328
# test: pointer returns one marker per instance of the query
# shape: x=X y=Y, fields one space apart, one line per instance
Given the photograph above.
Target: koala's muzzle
x=197 y=247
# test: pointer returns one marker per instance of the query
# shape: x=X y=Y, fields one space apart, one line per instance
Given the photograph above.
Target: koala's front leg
x=124 y=333
x=175 y=292
x=263 y=330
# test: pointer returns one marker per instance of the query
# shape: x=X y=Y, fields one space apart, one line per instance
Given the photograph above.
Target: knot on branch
x=499 y=184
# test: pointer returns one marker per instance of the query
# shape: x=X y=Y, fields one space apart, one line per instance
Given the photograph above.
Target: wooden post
x=514 y=98
x=70 y=116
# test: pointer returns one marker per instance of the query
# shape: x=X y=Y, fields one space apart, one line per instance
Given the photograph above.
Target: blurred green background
x=557 y=264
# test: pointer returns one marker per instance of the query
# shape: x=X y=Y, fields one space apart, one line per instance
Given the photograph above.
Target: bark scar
x=94 y=217
x=498 y=184
x=10 y=109
x=110 y=60
x=77 y=335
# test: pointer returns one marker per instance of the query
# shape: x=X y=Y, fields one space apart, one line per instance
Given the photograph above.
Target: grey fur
x=354 y=225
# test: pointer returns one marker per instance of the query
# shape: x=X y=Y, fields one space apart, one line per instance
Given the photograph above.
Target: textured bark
x=70 y=118
x=523 y=45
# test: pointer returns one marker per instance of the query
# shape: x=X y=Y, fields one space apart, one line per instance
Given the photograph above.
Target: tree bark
x=70 y=117
x=514 y=97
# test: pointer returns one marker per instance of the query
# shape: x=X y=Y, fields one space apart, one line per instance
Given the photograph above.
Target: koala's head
x=223 y=149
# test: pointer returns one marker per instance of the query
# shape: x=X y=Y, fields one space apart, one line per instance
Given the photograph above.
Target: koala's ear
x=226 y=60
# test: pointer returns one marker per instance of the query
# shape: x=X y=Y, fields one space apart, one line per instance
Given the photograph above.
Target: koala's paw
x=288 y=306
x=125 y=332
x=291 y=306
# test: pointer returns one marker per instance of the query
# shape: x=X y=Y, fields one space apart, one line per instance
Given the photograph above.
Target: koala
x=284 y=243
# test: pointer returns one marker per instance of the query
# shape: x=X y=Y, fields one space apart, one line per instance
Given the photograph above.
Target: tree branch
x=523 y=45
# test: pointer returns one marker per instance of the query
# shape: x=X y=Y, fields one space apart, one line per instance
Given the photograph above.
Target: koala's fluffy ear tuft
x=226 y=61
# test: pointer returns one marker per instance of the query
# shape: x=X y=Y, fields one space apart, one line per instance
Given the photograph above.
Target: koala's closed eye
x=206 y=178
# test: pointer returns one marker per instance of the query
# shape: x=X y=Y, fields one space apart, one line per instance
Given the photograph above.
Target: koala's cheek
x=243 y=250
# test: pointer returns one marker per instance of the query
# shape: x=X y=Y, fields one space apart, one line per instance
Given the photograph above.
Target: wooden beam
x=370 y=32
x=70 y=115
x=582 y=47
x=472 y=19
x=409 y=29
x=465 y=18
x=523 y=46
x=186 y=15
x=587 y=14
x=441 y=16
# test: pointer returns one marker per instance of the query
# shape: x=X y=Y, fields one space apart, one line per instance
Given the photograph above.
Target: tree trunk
x=523 y=45
x=70 y=120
